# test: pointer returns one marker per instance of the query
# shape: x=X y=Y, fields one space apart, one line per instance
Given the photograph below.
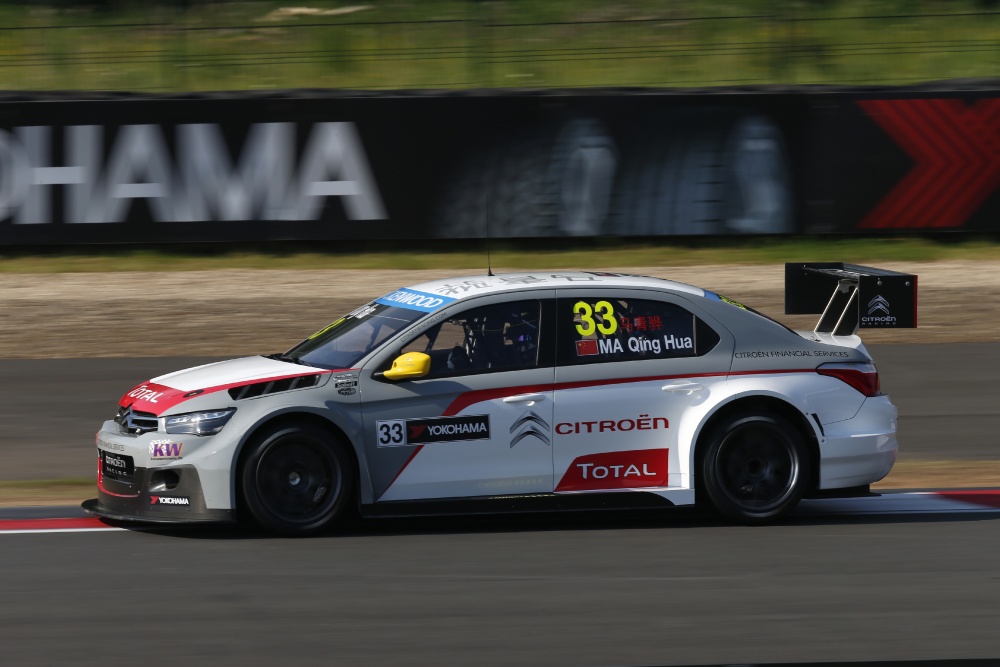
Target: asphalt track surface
x=947 y=394
x=642 y=588
x=670 y=587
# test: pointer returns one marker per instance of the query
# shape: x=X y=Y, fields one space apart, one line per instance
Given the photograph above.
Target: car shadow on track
x=655 y=519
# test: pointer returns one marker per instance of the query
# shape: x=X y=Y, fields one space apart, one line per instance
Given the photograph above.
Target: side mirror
x=409 y=366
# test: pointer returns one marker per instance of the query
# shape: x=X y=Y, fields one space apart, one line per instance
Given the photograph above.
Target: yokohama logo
x=185 y=173
x=956 y=148
x=169 y=500
x=447 y=429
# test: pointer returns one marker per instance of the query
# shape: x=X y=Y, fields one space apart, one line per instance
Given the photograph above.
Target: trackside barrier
x=327 y=165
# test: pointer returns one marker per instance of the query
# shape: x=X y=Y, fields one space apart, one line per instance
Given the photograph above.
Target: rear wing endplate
x=862 y=296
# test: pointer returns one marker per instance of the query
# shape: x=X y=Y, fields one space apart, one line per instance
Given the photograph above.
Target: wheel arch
x=757 y=403
x=291 y=417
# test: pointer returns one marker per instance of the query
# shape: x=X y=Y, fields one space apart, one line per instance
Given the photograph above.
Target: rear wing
x=862 y=296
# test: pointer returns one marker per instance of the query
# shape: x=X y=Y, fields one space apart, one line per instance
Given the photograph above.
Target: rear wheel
x=755 y=467
x=296 y=479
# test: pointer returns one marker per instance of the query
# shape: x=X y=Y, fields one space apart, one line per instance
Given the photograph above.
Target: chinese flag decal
x=956 y=148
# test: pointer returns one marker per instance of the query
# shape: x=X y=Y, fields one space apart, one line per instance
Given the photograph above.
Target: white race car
x=522 y=392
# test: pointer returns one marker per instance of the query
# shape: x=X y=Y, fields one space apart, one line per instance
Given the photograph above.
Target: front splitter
x=93 y=506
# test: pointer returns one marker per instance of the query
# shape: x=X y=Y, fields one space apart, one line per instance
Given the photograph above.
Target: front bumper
x=860 y=450
x=148 y=488
x=146 y=498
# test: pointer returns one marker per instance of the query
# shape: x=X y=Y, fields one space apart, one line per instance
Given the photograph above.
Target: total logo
x=639 y=468
x=169 y=500
x=144 y=393
x=879 y=304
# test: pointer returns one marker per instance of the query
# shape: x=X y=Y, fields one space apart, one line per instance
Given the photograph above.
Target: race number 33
x=588 y=325
x=391 y=433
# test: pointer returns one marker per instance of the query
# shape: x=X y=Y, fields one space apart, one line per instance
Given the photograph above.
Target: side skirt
x=535 y=502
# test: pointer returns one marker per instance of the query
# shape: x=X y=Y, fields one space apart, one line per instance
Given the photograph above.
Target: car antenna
x=489 y=263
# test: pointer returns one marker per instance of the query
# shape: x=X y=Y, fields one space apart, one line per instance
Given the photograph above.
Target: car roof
x=469 y=286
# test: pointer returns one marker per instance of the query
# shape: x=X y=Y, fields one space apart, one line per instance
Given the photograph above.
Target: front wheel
x=296 y=479
x=755 y=467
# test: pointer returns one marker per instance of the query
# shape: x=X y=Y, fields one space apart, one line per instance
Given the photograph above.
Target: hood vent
x=273 y=387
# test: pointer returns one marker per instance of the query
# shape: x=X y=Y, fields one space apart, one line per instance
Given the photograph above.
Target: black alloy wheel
x=755 y=467
x=296 y=479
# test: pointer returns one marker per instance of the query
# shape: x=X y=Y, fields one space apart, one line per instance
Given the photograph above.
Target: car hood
x=164 y=392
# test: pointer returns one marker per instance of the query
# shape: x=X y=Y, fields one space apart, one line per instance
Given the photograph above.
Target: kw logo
x=956 y=148
x=878 y=303
x=532 y=425
x=164 y=449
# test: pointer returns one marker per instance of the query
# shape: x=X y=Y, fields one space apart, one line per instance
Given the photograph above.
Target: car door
x=479 y=424
x=629 y=364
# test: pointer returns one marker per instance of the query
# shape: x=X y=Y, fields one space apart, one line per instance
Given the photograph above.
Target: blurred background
x=186 y=45
x=187 y=181
x=275 y=121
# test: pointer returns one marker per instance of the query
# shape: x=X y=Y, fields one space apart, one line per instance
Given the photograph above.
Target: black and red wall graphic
x=338 y=166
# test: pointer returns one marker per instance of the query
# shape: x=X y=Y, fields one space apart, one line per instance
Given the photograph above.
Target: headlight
x=198 y=423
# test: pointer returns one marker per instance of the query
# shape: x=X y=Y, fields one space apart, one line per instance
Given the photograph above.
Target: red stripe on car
x=158 y=398
x=480 y=395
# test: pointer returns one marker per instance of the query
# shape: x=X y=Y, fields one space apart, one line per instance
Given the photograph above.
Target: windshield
x=348 y=340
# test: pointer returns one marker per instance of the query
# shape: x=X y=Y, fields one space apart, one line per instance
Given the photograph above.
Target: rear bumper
x=147 y=499
x=861 y=450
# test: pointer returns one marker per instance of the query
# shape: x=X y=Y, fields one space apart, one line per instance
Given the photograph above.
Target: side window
x=488 y=339
x=605 y=329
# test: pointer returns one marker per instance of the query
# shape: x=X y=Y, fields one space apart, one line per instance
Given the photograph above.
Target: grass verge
x=174 y=46
x=534 y=254
x=904 y=475
x=23 y=493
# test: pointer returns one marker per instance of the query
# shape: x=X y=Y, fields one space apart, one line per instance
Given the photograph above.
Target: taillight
x=862 y=376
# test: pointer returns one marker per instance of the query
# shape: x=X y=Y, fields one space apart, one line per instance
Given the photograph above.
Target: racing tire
x=755 y=468
x=297 y=479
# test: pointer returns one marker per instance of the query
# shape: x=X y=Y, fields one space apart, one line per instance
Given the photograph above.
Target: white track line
x=60 y=530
